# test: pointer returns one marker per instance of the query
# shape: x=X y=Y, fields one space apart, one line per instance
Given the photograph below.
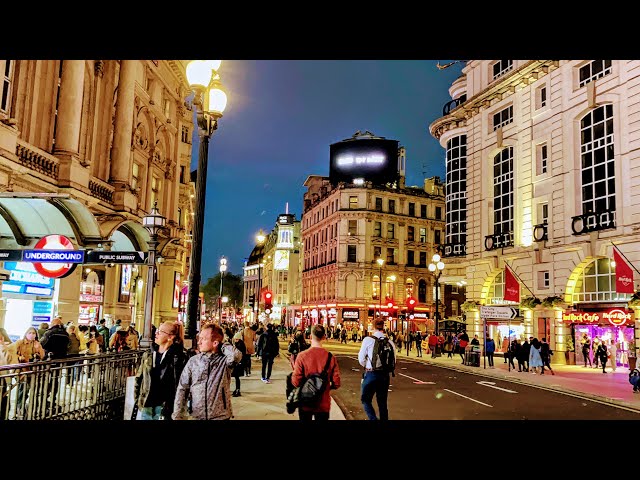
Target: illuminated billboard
x=373 y=159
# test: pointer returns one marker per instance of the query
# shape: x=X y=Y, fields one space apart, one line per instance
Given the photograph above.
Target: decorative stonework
x=99 y=68
x=141 y=137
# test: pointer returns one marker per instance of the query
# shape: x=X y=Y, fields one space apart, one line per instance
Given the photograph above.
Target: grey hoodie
x=206 y=377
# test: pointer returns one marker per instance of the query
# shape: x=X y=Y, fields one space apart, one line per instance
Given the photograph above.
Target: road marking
x=416 y=380
x=468 y=398
x=492 y=385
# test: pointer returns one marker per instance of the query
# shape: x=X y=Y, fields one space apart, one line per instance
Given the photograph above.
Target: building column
x=120 y=166
x=72 y=173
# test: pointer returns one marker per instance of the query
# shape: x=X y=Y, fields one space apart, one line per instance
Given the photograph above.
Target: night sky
x=280 y=119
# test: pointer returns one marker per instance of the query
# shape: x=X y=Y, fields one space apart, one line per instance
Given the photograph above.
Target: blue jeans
x=375 y=382
x=150 y=413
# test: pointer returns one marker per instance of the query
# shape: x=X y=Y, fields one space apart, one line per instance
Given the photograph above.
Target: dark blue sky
x=280 y=119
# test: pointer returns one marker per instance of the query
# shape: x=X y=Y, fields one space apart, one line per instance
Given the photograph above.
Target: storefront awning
x=27 y=217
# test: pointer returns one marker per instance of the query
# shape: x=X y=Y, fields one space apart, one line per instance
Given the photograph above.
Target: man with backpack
x=313 y=361
x=378 y=356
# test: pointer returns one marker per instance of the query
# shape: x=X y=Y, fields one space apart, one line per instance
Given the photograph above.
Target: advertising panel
x=372 y=159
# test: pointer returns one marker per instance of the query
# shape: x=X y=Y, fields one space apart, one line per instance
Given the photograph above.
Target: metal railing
x=87 y=387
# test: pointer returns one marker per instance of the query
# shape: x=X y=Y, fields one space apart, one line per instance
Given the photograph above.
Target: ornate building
x=542 y=161
x=87 y=147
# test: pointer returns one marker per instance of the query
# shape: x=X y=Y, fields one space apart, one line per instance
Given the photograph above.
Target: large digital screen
x=372 y=159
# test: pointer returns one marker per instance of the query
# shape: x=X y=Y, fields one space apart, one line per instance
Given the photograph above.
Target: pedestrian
x=586 y=347
x=269 y=348
x=73 y=350
x=490 y=349
x=55 y=342
x=418 y=339
x=298 y=344
x=375 y=381
x=545 y=355
x=312 y=361
x=249 y=342
x=206 y=378
x=613 y=350
x=28 y=350
x=159 y=371
x=524 y=354
x=602 y=354
x=514 y=352
x=433 y=344
x=408 y=342
x=114 y=328
x=343 y=336
x=535 y=360
x=104 y=331
x=239 y=369
x=44 y=326
x=463 y=341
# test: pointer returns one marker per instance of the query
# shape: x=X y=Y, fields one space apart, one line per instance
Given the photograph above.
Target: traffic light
x=252 y=299
x=411 y=305
x=390 y=303
x=268 y=298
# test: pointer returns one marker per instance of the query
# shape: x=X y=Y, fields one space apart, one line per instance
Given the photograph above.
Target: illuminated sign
x=373 y=159
x=59 y=258
x=87 y=297
x=24 y=279
x=615 y=317
x=351 y=314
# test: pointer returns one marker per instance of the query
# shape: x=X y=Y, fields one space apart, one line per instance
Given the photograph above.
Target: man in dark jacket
x=269 y=348
x=55 y=342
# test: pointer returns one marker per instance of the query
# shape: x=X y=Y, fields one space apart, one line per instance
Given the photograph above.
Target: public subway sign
x=614 y=316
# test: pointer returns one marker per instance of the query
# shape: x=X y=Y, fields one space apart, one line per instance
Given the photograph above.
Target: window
x=456 y=192
x=594 y=70
x=412 y=209
x=55 y=117
x=410 y=258
x=183 y=174
x=501 y=67
x=353 y=227
x=411 y=231
x=377 y=253
x=598 y=169
x=351 y=253
x=378 y=204
x=541 y=97
x=543 y=279
x=377 y=229
x=543 y=213
x=375 y=285
x=436 y=237
x=422 y=291
x=598 y=283
x=5 y=100
x=185 y=134
x=541 y=158
x=392 y=206
x=503 y=191
x=391 y=256
x=438 y=213
x=423 y=259
x=496 y=291
x=155 y=192
x=423 y=211
x=423 y=235
x=353 y=202
x=391 y=230
x=179 y=217
x=503 y=117
x=135 y=176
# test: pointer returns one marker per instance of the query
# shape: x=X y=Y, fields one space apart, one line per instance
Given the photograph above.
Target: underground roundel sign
x=50 y=269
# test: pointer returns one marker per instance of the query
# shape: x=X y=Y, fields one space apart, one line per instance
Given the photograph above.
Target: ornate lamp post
x=380 y=263
x=210 y=101
x=223 y=268
x=153 y=222
x=260 y=238
x=436 y=268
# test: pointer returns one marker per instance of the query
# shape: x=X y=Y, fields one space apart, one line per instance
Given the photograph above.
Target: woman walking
x=28 y=349
x=159 y=372
x=535 y=360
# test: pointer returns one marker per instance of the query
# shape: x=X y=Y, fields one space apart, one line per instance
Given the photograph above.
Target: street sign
x=10 y=255
x=136 y=257
x=499 y=312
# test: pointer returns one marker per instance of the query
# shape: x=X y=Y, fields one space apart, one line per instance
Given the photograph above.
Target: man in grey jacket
x=207 y=378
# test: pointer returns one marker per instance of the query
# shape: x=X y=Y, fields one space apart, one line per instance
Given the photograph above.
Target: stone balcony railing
x=36 y=159
x=101 y=190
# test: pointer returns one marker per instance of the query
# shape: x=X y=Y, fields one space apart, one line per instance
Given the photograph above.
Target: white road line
x=416 y=379
x=492 y=385
x=468 y=398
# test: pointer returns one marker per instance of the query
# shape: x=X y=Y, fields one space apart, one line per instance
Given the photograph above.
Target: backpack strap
x=374 y=360
x=328 y=364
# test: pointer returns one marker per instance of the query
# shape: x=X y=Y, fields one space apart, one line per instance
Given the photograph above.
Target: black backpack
x=384 y=357
x=314 y=385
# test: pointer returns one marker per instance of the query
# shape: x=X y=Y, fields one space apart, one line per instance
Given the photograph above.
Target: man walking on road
x=269 y=347
x=375 y=381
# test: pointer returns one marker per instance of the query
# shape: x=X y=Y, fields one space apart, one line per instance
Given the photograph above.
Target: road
x=427 y=392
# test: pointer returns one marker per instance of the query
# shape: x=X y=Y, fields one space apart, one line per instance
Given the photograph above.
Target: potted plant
x=530 y=302
x=553 y=301
x=469 y=306
x=570 y=354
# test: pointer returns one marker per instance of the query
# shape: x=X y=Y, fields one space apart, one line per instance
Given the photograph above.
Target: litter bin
x=472 y=355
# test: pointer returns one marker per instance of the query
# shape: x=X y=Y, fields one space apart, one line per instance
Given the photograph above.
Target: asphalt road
x=427 y=392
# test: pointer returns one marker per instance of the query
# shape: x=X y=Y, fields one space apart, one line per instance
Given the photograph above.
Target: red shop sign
x=615 y=316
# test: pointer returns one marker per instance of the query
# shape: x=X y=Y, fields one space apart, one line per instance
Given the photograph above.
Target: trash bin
x=472 y=355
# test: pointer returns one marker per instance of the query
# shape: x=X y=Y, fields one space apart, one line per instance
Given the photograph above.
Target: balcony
x=498 y=240
x=453 y=249
x=101 y=190
x=450 y=105
x=593 y=221
x=540 y=232
x=38 y=160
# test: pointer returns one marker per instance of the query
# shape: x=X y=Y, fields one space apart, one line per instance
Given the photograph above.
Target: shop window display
x=623 y=336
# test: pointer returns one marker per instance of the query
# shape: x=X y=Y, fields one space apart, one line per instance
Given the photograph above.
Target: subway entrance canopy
x=27 y=217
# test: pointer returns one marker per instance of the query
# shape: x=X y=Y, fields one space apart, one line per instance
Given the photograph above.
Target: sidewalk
x=263 y=401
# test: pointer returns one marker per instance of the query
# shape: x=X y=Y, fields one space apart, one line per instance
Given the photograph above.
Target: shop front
x=504 y=332
x=91 y=296
x=351 y=318
x=608 y=325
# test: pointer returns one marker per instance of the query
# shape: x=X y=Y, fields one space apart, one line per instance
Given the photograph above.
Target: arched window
x=496 y=292
x=409 y=287
x=375 y=287
x=456 y=186
x=422 y=291
x=596 y=152
x=503 y=192
x=391 y=286
x=597 y=283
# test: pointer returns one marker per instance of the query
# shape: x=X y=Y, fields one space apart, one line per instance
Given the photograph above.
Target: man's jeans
x=375 y=382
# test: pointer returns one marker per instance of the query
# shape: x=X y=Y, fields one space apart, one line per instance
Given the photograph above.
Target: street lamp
x=210 y=101
x=260 y=238
x=153 y=222
x=436 y=266
x=380 y=263
x=223 y=268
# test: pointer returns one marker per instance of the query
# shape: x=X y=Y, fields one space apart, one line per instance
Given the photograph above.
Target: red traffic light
x=390 y=303
x=267 y=296
x=411 y=302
